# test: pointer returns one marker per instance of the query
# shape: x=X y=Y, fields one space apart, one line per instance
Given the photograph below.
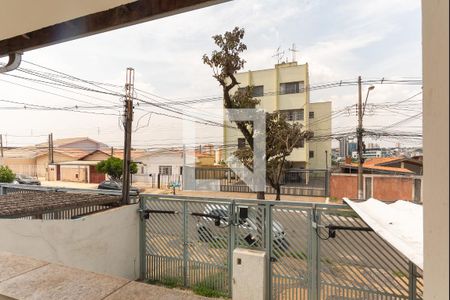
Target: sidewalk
x=212 y=194
x=207 y=194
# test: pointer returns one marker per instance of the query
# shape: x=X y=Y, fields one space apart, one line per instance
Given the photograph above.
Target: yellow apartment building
x=284 y=89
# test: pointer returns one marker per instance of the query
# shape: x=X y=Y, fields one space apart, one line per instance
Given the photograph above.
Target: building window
x=293 y=114
x=258 y=91
x=165 y=170
x=241 y=143
x=292 y=87
x=311 y=154
x=311 y=115
x=242 y=90
x=302 y=143
x=142 y=170
x=181 y=170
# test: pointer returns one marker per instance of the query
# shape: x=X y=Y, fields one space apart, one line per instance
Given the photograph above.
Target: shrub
x=6 y=175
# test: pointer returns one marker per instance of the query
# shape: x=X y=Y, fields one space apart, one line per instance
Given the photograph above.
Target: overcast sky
x=339 y=39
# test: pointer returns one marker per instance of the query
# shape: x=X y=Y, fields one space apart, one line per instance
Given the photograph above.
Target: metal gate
x=189 y=242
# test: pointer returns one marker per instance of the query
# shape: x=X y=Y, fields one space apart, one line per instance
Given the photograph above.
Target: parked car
x=24 y=179
x=211 y=229
x=115 y=186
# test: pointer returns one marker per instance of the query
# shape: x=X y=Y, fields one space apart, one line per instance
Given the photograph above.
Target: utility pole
x=359 y=134
x=50 y=149
x=1 y=145
x=128 y=122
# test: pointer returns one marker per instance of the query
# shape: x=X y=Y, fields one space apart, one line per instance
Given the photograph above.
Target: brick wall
x=393 y=188
x=343 y=186
x=384 y=187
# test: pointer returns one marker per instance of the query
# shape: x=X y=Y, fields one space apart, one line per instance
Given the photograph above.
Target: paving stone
x=56 y=282
x=13 y=265
x=141 y=291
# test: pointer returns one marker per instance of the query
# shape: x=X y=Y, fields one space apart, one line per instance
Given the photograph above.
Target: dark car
x=23 y=179
x=115 y=186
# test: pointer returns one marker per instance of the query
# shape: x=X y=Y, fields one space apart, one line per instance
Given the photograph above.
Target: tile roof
x=382 y=160
x=379 y=168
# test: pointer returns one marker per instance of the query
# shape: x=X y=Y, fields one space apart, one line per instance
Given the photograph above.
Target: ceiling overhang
x=130 y=13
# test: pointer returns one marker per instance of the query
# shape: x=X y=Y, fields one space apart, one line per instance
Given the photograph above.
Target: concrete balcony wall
x=106 y=242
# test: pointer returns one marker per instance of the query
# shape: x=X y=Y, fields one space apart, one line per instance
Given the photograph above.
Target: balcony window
x=258 y=91
x=293 y=114
x=292 y=87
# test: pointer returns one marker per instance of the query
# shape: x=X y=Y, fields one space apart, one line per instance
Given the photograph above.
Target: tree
x=113 y=166
x=6 y=175
x=282 y=137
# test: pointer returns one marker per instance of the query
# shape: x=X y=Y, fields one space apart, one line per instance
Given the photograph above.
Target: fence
x=298 y=182
x=189 y=242
x=62 y=213
x=158 y=181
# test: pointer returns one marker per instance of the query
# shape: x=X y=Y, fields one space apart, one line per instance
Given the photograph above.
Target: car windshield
x=24 y=177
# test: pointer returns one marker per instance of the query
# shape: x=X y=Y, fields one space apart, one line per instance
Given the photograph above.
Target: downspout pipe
x=14 y=62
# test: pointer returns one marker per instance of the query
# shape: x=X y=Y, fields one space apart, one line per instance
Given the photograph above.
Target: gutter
x=14 y=62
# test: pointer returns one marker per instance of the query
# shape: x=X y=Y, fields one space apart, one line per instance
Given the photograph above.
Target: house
x=159 y=166
x=284 y=89
x=74 y=159
x=83 y=169
x=386 y=165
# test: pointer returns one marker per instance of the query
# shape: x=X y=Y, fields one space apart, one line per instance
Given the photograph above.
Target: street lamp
x=361 y=111
x=371 y=88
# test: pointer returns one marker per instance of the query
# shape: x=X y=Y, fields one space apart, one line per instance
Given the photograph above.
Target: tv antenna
x=294 y=52
x=279 y=55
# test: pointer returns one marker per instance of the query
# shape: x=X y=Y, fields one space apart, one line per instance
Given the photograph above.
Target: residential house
x=386 y=165
x=285 y=89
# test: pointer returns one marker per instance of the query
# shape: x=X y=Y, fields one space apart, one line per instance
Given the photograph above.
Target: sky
x=340 y=40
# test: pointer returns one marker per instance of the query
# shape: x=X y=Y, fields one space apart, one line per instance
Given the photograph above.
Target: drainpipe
x=14 y=62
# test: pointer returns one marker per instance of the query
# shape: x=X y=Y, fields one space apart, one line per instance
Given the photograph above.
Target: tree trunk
x=261 y=195
x=278 y=189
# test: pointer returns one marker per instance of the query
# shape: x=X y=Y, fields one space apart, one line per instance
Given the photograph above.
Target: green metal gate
x=189 y=241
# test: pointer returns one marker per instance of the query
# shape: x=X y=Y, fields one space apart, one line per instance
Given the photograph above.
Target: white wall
x=106 y=242
x=435 y=150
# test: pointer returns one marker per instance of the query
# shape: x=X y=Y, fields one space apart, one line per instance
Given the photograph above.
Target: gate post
x=268 y=246
x=327 y=183
x=231 y=245
x=185 y=245
x=412 y=281
x=142 y=241
x=314 y=257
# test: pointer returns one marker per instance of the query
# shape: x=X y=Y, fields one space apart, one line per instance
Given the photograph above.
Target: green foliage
x=133 y=168
x=6 y=175
x=169 y=282
x=113 y=166
x=282 y=137
x=207 y=287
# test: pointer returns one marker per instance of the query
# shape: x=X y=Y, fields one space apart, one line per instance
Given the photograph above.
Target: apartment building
x=284 y=89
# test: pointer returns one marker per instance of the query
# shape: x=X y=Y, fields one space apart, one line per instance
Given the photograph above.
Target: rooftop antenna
x=294 y=52
x=279 y=55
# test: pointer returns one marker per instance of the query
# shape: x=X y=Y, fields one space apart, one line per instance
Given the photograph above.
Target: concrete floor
x=24 y=278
